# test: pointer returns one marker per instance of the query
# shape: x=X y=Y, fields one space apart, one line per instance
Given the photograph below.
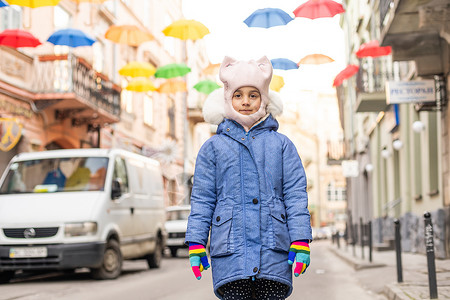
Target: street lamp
x=418 y=126
x=385 y=153
x=397 y=144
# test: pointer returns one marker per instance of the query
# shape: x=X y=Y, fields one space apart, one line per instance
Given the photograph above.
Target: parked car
x=67 y=209
x=176 y=225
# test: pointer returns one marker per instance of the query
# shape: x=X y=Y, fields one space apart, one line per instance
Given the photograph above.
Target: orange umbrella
x=315 y=59
x=128 y=34
x=172 y=86
x=186 y=30
x=211 y=69
x=277 y=83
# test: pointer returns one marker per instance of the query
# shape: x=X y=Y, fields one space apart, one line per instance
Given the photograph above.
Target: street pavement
x=380 y=275
x=328 y=277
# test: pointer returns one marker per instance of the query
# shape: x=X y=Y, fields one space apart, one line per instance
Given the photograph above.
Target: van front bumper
x=59 y=256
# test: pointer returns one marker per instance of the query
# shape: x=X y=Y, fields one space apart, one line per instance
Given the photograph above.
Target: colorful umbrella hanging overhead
x=373 y=49
x=138 y=69
x=206 y=86
x=172 y=70
x=71 y=37
x=3 y=3
x=283 y=64
x=268 y=17
x=211 y=69
x=128 y=34
x=89 y=1
x=141 y=85
x=314 y=9
x=17 y=38
x=186 y=30
x=315 y=59
x=172 y=86
x=277 y=83
x=348 y=72
x=34 y=3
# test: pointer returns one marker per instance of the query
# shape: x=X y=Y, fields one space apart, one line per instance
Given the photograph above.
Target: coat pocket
x=220 y=232
x=280 y=231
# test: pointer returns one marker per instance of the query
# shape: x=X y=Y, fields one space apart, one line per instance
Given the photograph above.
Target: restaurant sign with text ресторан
x=415 y=91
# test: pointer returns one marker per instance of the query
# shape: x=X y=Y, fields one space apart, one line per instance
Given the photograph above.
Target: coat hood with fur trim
x=214 y=106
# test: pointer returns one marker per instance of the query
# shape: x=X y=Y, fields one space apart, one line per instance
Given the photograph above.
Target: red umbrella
x=314 y=9
x=373 y=49
x=348 y=72
x=17 y=38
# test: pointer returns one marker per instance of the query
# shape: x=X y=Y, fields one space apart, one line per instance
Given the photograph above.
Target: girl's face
x=246 y=100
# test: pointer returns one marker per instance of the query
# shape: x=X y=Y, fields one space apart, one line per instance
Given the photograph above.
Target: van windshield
x=56 y=175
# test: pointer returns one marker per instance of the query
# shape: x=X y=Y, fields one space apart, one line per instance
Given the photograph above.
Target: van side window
x=120 y=172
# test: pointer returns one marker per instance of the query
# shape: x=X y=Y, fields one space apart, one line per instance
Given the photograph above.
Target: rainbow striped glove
x=299 y=251
x=198 y=259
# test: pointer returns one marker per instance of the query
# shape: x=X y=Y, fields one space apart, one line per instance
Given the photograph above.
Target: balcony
x=415 y=29
x=370 y=85
x=335 y=152
x=73 y=89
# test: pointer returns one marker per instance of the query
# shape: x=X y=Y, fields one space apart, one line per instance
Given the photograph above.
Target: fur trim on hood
x=214 y=106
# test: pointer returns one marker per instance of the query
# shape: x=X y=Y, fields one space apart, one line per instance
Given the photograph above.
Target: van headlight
x=80 y=228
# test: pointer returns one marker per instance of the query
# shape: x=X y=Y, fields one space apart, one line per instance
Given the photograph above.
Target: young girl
x=250 y=190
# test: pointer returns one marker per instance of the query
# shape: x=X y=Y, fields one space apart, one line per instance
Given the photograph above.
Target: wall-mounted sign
x=350 y=168
x=10 y=133
x=417 y=91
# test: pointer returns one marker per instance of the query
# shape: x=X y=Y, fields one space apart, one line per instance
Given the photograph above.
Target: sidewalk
x=414 y=267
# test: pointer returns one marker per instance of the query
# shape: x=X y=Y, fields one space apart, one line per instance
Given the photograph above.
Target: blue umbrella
x=71 y=37
x=3 y=3
x=268 y=17
x=283 y=64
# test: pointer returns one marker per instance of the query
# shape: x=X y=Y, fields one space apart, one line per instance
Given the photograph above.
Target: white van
x=66 y=209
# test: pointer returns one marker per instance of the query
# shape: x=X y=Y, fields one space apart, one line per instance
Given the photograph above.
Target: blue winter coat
x=250 y=189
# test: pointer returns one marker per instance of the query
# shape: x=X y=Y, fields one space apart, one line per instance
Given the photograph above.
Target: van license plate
x=27 y=252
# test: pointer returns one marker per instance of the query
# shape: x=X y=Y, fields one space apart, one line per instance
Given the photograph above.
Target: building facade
x=401 y=148
x=54 y=97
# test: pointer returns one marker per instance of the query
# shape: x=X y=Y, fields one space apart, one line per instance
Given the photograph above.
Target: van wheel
x=154 y=259
x=173 y=251
x=112 y=262
x=6 y=276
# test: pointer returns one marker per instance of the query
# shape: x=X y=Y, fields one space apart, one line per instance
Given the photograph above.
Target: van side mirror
x=116 y=189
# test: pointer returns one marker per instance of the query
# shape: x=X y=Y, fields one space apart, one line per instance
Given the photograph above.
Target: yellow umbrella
x=141 y=85
x=138 y=69
x=315 y=59
x=211 y=69
x=89 y=1
x=186 y=30
x=277 y=83
x=128 y=34
x=172 y=86
x=33 y=3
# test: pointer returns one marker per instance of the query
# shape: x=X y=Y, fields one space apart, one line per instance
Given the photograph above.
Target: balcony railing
x=372 y=76
x=61 y=74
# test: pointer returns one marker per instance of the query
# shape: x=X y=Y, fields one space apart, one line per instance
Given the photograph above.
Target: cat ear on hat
x=266 y=66
x=224 y=72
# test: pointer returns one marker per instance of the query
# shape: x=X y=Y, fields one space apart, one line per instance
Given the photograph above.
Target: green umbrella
x=206 y=86
x=172 y=70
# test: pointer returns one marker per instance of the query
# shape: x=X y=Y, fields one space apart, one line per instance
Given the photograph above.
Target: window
x=99 y=58
x=171 y=117
x=433 y=153
x=61 y=20
x=11 y=17
x=126 y=98
x=336 y=193
x=120 y=173
x=148 y=110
